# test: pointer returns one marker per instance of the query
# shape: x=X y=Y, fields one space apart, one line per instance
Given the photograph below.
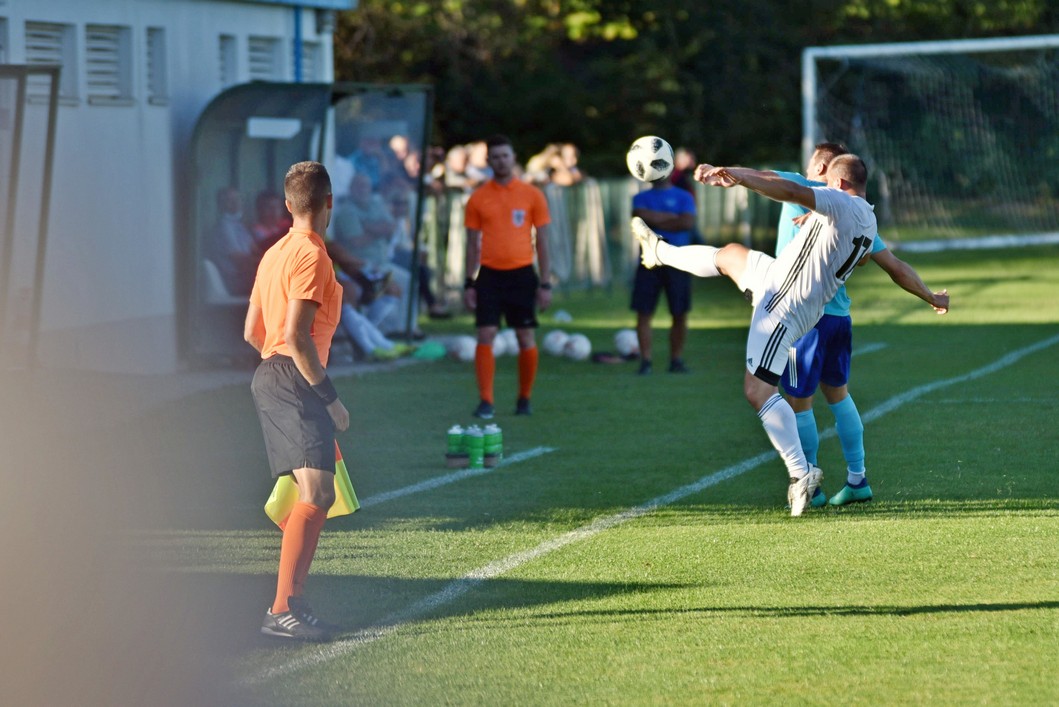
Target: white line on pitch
x=869 y=348
x=472 y=579
x=452 y=478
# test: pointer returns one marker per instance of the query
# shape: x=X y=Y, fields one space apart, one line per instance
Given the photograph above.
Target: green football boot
x=819 y=499
x=851 y=494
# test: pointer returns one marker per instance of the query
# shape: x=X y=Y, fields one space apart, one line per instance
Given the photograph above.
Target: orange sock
x=527 y=371
x=485 y=369
x=300 y=537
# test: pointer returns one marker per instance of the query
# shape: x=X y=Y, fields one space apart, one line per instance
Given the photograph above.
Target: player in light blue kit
x=821 y=358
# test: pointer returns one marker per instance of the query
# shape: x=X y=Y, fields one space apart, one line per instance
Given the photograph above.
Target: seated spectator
x=231 y=246
x=399 y=196
x=273 y=220
x=363 y=225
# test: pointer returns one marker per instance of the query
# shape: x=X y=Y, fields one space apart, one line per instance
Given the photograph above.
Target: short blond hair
x=307 y=186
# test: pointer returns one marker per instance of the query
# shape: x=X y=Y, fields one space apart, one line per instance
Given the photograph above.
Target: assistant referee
x=294 y=309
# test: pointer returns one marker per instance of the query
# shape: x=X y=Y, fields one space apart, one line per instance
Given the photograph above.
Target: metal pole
x=7 y=249
x=42 y=233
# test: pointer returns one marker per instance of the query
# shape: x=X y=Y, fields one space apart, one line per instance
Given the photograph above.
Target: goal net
x=961 y=138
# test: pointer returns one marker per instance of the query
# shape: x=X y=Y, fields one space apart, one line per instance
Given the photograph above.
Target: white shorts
x=771 y=335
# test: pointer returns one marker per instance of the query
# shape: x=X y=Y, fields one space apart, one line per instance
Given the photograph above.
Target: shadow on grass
x=805 y=611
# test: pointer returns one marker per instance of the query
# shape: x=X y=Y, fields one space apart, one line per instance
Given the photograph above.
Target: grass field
x=634 y=549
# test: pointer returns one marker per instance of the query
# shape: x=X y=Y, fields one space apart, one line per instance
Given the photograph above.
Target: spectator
x=273 y=220
x=564 y=169
x=231 y=248
x=478 y=170
x=399 y=196
x=364 y=226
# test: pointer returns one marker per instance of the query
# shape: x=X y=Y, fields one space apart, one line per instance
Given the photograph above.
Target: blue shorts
x=822 y=355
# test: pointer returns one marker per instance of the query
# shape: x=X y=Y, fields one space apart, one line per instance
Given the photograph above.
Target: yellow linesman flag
x=285 y=494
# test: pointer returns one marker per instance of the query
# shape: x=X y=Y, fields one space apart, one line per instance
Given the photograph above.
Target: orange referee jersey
x=297 y=267
x=506 y=215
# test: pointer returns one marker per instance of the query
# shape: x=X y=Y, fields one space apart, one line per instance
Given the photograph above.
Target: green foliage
x=722 y=79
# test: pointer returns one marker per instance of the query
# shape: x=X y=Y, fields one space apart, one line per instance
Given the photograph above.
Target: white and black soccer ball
x=650 y=158
x=626 y=342
x=510 y=340
x=462 y=348
x=555 y=341
x=578 y=347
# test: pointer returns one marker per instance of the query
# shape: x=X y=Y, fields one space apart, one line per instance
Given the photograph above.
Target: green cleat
x=819 y=499
x=851 y=494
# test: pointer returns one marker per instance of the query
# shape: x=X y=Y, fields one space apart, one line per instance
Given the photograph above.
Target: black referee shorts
x=298 y=430
x=512 y=293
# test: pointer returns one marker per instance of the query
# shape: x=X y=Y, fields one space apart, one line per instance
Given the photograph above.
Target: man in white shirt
x=788 y=292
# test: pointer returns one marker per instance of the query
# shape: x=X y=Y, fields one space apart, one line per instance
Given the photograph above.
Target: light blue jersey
x=786 y=231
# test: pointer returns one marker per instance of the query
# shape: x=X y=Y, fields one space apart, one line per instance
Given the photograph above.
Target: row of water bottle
x=474 y=447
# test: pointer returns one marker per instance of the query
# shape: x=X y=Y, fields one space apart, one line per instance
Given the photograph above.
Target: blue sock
x=808 y=434
x=851 y=436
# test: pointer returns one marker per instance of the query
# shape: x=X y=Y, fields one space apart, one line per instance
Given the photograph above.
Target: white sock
x=781 y=426
x=853 y=477
x=695 y=259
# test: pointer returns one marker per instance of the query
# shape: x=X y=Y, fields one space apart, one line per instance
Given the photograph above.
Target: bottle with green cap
x=475 y=446
x=456 y=456
x=494 y=444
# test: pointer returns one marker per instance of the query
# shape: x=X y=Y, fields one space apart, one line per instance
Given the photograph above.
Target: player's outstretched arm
x=906 y=277
x=767 y=184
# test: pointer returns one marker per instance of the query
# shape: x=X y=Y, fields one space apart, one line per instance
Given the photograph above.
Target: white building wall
x=110 y=290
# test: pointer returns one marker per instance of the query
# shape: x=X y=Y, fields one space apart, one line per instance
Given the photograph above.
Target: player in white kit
x=788 y=292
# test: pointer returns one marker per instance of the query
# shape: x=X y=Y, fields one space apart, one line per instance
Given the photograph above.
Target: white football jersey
x=809 y=271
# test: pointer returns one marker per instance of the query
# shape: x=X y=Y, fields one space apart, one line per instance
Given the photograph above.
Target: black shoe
x=287 y=625
x=299 y=606
x=522 y=407
x=677 y=366
x=484 y=411
x=645 y=367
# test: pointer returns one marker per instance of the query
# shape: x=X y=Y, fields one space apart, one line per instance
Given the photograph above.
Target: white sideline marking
x=472 y=579
x=869 y=348
x=451 y=478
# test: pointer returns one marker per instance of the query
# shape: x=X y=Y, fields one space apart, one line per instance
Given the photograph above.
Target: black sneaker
x=645 y=368
x=522 y=407
x=677 y=366
x=484 y=411
x=287 y=625
x=299 y=606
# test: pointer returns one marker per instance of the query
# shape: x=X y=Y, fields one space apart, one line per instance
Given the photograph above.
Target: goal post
x=961 y=137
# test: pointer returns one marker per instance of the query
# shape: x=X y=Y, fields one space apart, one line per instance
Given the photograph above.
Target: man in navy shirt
x=670 y=212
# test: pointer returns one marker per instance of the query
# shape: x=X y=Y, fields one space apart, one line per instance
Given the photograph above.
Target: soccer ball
x=626 y=342
x=578 y=347
x=510 y=340
x=650 y=158
x=555 y=341
x=499 y=345
x=462 y=348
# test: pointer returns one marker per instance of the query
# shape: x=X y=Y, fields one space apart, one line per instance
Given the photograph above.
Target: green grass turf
x=945 y=589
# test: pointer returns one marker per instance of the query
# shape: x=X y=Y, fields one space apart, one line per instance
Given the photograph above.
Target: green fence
x=590 y=244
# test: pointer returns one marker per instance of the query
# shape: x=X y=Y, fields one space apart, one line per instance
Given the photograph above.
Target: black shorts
x=298 y=430
x=512 y=293
x=648 y=285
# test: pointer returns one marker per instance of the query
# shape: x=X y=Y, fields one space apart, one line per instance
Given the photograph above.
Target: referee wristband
x=326 y=390
x=469 y=283
x=546 y=285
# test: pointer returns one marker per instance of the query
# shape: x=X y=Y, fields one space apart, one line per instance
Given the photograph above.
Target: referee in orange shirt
x=294 y=309
x=500 y=217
